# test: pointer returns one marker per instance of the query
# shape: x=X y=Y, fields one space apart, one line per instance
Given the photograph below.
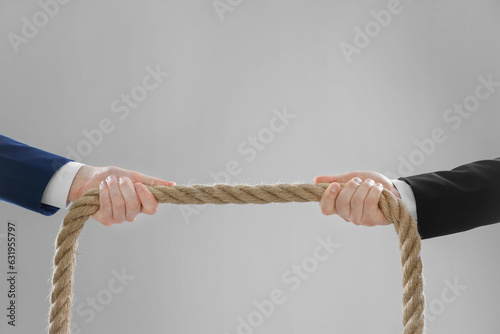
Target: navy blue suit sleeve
x=25 y=172
x=457 y=200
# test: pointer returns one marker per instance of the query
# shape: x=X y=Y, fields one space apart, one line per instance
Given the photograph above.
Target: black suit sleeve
x=457 y=200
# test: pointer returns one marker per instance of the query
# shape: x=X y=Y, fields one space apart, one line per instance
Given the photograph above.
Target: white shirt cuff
x=57 y=190
x=407 y=196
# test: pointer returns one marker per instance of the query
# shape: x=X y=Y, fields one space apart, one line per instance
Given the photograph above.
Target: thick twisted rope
x=393 y=208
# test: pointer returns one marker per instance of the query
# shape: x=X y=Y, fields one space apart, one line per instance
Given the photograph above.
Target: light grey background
x=226 y=77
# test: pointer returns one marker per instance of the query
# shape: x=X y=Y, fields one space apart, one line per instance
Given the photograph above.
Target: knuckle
x=366 y=185
x=365 y=221
x=344 y=217
x=343 y=214
x=126 y=180
x=354 y=219
x=107 y=222
x=131 y=219
x=352 y=182
x=369 y=182
x=104 y=190
x=325 y=211
x=153 y=210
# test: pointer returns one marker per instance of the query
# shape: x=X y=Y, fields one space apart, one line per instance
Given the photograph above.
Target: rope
x=66 y=243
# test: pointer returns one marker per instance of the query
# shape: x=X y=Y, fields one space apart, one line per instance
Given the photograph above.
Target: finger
x=117 y=201
x=132 y=202
x=343 y=203
x=327 y=201
x=151 y=181
x=105 y=214
x=358 y=200
x=372 y=215
x=341 y=178
x=148 y=201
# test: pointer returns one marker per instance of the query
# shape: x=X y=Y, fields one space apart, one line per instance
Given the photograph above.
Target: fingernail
x=109 y=179
x=370 y=181
x=335 y=187
x=357 y=180
x=137 y=186
x=101 y=185
x=121 y=180
x=380 y=185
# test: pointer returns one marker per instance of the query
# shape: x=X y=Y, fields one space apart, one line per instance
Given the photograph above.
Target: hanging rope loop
x=66 y=243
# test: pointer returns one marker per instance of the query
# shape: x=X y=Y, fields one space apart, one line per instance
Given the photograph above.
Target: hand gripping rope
x=66 y=243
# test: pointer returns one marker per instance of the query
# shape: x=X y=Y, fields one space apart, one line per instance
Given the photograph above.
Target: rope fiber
x=393 y=208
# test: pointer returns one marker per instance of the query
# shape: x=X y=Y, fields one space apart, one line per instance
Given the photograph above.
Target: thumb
x=153 y=181
x=328 y=199
x=340 y=178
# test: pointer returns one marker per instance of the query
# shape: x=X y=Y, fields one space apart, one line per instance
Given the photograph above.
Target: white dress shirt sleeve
x=57 y=190
x=407 y=196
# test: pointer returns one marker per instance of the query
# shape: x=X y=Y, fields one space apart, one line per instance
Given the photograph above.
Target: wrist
x=81 y=180
x=395 y=191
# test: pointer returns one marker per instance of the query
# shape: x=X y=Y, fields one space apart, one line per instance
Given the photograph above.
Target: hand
x=123 y=194
x=357 y=201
